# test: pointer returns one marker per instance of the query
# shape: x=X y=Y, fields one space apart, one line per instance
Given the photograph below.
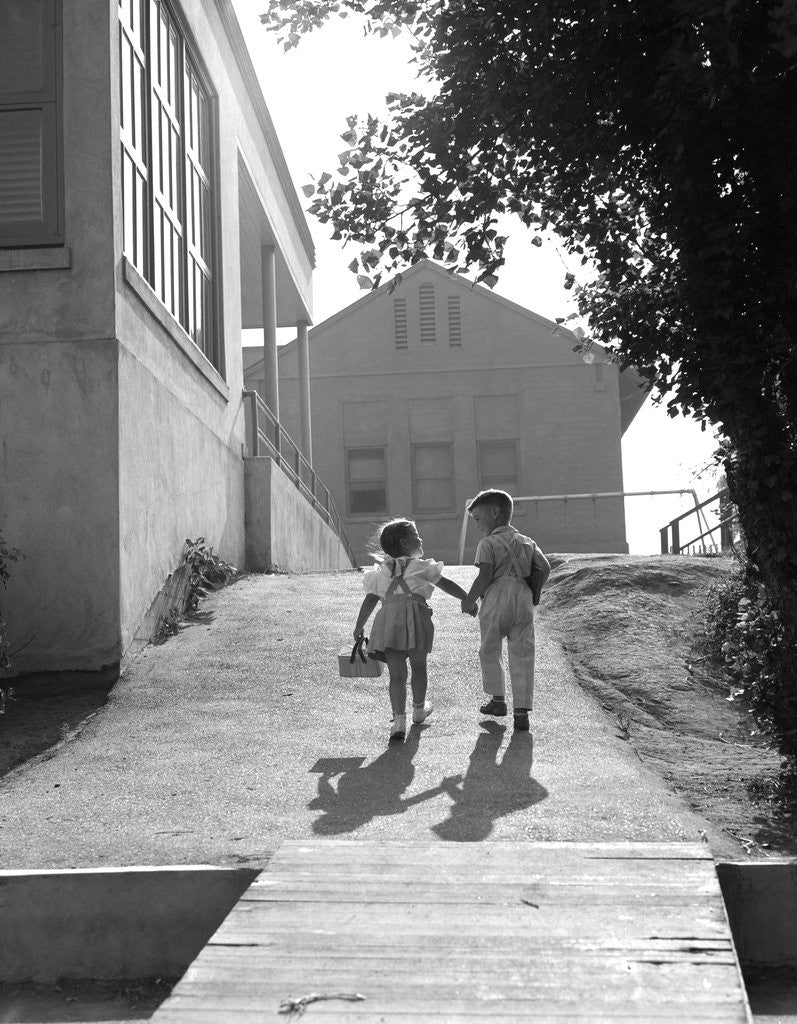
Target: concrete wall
x=761 y=900
x=111 y=923
x=58 y=386
x=565 y=414
x=283 y=531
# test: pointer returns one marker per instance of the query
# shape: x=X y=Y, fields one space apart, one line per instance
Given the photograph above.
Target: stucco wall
x=58 y=376
x=59 y=502
x=568 y=417
x=283 y=531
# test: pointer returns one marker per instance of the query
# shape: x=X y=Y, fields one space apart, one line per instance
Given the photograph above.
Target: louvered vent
x=400 y=322
x=428 y=324
x=454 y=321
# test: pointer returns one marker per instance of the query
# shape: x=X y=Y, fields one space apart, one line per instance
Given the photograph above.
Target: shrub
x=744 y=630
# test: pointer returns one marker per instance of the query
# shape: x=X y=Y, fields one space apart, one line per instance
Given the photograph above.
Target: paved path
x=238 y=734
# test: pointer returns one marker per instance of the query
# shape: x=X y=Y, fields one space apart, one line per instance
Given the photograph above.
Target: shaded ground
x=631 y=626
x=82 y=1002
x=46 y=710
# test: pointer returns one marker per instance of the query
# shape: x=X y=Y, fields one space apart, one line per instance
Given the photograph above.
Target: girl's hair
x=390 y=535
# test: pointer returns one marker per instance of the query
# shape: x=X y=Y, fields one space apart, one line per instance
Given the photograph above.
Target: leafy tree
x=658 y=141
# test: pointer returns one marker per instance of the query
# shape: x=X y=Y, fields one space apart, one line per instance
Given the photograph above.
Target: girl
x=402 y=627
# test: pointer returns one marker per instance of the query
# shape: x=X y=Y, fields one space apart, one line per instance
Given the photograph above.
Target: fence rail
x=266 y=436
x=723 y=535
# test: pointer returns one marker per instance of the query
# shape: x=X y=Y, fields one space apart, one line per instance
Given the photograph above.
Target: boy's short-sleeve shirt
x=494 y=553
x=420 y=575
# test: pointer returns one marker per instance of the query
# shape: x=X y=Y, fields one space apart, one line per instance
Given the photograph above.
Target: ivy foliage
x=744 y=631
x=655 y=140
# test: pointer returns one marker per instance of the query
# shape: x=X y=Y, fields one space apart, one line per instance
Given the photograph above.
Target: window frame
x=416 y=506
x=49 y=231
x=189 y=64
x=354 y=449
x=494 y=442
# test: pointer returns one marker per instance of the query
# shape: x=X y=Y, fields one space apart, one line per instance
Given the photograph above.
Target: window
x=454 y=321
x=367 y=480
x=31 y=205
x=433 y=477
x=427 y=314
x=167 y=161
x=498 y=465
x=400 y=322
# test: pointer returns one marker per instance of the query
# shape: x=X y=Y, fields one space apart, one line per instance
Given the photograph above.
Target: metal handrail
x=577 y=497
x=267 y=436
x=671 y=533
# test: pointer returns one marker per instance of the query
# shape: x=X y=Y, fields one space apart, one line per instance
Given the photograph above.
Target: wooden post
x=268 y=270
x=304 y=390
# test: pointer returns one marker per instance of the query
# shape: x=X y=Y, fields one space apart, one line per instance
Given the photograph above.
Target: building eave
x=246 y=67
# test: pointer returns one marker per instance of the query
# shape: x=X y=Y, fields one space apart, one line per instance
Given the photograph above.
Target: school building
x=426 y=395
x=147 y=215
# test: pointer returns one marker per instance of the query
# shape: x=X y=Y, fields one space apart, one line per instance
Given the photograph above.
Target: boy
x=504 y=558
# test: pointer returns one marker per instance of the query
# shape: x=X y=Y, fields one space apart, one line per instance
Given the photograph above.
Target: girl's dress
x=404 y=620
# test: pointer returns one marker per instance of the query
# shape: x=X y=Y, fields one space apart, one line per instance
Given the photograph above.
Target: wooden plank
x=440 y=931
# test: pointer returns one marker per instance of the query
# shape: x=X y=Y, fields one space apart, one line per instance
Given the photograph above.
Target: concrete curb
x=761 y=901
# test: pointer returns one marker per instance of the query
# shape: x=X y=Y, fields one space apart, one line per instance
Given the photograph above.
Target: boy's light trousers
x=507 y=611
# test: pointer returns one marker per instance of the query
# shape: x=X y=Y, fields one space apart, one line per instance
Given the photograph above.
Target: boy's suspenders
x=520 y=574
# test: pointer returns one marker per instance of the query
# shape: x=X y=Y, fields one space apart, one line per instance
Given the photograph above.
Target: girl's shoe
x=398 y=730
x=420 y=712
x=494 y=706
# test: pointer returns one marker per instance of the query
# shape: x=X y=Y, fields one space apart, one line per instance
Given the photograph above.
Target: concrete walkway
x=238 y=733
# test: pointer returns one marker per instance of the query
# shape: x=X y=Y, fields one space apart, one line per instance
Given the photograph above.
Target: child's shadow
x=365 y=793
x=489 y=789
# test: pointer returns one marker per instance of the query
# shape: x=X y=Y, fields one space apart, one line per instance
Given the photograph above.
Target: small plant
x=7 y=554
x=6 y=696
x=169 y=625
x=208 y=571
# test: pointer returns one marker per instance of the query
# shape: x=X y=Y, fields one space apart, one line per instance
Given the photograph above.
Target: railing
x=266 y=436
x=592 y=495
x=727 y=525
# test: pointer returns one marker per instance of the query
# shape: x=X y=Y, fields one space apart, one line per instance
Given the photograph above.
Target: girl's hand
x=358 y=632
x=468 y=606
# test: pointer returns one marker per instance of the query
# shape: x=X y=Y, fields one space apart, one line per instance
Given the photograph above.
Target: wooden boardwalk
x=472 y=932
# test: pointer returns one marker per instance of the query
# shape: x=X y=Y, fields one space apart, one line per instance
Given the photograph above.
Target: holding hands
x=469 y=606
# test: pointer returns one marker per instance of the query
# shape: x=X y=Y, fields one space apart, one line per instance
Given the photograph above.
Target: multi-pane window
x=167 y=159
x=454 y=321
x=498 y=465
x=367 y=480
x=31 y=207
x=427 y=313
x=433 y=477
x=400 y=322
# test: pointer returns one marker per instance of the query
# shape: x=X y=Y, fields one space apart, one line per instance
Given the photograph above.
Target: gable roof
x=458 y=279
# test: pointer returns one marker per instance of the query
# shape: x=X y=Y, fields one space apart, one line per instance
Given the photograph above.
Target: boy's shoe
x=398 y=729
x=521 y=721
x=420 y=712
x=494 y=706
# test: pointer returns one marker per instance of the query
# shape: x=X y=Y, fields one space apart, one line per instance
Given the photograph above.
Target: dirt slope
x=631 y=626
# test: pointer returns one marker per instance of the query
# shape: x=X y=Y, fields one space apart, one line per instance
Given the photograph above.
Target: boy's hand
x=468 y=606
x=358 y=632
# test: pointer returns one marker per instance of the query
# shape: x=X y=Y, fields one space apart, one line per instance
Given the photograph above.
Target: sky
x=336 y=72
